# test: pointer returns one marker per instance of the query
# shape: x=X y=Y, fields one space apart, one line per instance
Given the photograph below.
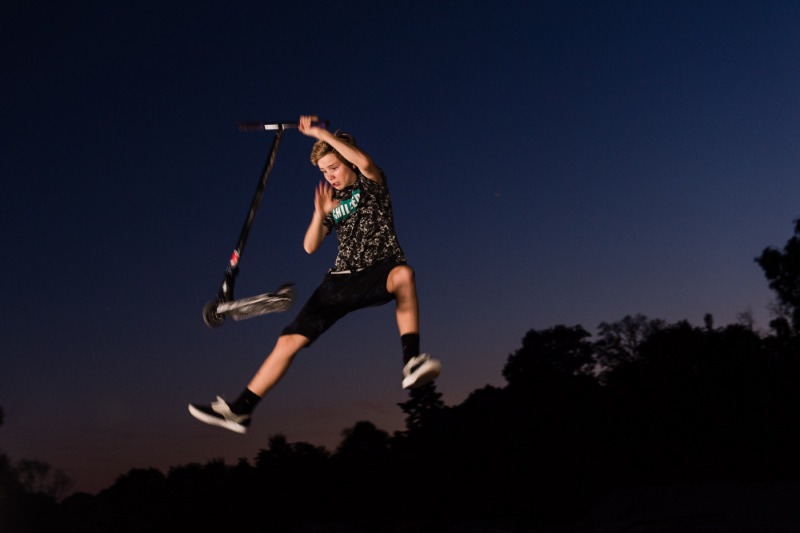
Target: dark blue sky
x=551 y=163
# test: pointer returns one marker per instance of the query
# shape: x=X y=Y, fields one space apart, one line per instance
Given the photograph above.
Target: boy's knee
x=401 y=276
x=405 y=273
x=291 y=343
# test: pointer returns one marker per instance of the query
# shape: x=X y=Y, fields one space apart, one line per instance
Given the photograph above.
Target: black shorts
x=339 y=294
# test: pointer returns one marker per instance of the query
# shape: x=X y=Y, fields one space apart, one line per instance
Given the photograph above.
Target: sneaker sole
x=214 y=421
x=427 y=372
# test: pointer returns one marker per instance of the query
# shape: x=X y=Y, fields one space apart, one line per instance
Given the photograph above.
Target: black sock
x=245 y=403
x=410 y=342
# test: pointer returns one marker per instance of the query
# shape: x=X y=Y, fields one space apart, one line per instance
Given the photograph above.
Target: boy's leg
x=277 y=363
x=418 y=368
x=402 y=284
x=236 y=416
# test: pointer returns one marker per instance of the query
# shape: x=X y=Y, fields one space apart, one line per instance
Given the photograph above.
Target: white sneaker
x=420 y=370
x=220 y=414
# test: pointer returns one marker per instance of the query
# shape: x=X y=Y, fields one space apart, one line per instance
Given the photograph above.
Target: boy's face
x=338 y=173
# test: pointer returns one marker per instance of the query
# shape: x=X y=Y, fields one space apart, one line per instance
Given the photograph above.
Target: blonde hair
x=322 y=148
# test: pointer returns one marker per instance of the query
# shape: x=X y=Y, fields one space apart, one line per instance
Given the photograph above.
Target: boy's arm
x=315 y=234
x=355 y=155
x=323 y=204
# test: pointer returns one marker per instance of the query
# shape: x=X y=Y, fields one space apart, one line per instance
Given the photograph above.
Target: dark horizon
x=704 y=414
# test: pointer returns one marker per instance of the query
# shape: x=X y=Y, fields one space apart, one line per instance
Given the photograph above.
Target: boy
x=370 y=270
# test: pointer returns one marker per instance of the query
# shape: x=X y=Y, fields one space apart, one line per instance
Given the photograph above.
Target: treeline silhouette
x=643 y=403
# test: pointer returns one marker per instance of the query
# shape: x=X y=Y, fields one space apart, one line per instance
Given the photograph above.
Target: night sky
x=550 y=163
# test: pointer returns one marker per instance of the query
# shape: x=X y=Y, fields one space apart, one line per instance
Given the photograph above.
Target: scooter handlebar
x=266 y=126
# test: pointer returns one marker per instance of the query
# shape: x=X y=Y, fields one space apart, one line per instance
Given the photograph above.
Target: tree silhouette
x=423 y=402
x=619 y=342
x=282 y=455
x=560 y=350
x=28 y=494
x=363 y=442
x=40 y=477
x=782 y=270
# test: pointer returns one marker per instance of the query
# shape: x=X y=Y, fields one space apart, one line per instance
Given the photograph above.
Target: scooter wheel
x=210 y=315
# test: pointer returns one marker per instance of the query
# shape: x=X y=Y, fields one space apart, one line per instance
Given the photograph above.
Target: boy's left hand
x=310 y=125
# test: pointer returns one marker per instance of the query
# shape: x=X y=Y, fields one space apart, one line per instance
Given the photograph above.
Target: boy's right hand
x=323 y=199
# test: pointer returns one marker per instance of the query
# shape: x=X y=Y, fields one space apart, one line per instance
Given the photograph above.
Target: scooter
x=215 y=311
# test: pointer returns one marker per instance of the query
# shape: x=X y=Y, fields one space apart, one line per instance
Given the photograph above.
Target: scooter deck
x=271 y=302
